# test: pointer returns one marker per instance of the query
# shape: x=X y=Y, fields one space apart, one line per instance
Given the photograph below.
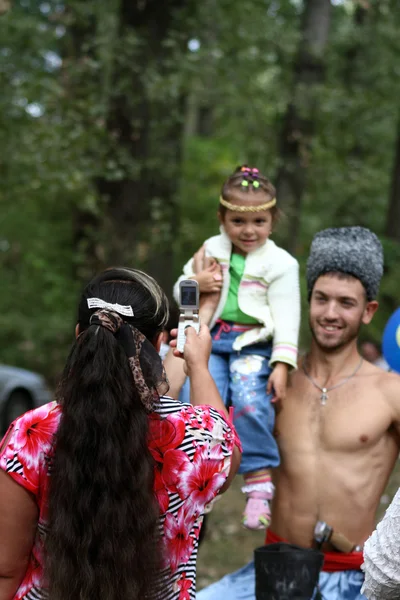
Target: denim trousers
x=241 y=378
x=342 y=585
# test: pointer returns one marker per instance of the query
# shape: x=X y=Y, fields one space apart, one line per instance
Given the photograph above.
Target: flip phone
x=189 y=296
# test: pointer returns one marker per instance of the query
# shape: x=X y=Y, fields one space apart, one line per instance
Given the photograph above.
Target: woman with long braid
x=103 y=491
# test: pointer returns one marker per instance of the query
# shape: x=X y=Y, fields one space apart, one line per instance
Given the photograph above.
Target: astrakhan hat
x=355 y=251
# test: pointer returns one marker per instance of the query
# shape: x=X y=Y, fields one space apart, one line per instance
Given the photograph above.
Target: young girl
x=254 y=328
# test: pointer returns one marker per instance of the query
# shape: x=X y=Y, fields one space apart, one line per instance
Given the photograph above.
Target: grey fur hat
x=352 y=250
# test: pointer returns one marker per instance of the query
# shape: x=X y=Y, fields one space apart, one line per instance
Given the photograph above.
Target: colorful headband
x=246 y=208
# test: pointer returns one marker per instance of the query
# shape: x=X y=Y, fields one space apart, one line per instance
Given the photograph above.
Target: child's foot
x=257 y=514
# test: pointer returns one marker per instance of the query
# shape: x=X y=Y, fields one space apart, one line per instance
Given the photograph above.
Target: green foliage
x=350 y=167
x=193 y=112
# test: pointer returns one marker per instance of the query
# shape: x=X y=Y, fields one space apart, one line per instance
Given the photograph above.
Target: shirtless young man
x=337 y=429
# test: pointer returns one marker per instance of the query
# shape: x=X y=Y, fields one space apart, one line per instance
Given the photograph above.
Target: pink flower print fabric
x=24 y=454
x=192 y=449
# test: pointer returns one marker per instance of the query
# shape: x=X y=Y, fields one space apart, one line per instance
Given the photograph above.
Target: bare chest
x=347 y=419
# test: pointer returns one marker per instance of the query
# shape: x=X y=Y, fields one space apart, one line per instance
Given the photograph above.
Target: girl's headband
x=247 y=208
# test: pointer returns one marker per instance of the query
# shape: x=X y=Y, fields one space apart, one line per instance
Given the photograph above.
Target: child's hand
x=277 y=382
x=209 y=279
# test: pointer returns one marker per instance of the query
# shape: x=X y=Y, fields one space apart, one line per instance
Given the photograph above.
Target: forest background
x=120 y=120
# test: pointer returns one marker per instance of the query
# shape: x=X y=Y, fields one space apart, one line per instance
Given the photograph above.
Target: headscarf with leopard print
x=147 y=369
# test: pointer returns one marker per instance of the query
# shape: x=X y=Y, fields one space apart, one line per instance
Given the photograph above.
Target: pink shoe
x=257 y=514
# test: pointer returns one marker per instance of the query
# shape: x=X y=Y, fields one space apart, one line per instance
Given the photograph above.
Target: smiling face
x=248 y=230
x=338 y=307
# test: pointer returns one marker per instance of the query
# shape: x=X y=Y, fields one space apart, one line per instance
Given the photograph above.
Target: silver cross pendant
x=324 y=396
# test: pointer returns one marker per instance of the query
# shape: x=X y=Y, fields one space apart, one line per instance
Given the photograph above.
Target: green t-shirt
x=231 y=310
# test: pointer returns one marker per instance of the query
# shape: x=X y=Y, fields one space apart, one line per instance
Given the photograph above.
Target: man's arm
x=389 y=383
x=187 y=274
x=18 y=523
x=205 y=270
x=174 y=366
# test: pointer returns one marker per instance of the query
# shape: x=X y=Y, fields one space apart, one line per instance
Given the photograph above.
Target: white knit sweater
x=269 y=292
x=382 y=557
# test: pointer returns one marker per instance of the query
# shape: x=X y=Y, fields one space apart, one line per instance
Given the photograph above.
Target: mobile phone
x=189 y=296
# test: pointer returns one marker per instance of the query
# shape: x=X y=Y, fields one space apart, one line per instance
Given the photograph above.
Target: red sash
x=334 y=561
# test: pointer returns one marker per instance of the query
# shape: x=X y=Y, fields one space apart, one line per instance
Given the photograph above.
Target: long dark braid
x=103 y=537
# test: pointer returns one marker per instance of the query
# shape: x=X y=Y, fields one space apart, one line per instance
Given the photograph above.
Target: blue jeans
x=342 y=585
x=241 y=379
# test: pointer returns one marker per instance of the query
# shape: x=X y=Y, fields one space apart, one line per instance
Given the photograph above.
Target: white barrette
x=127 y=311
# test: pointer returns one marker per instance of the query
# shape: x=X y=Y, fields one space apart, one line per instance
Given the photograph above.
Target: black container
x=286 y=572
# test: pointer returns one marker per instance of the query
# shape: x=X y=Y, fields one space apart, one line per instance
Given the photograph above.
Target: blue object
x=342 y=585
x=391 y=341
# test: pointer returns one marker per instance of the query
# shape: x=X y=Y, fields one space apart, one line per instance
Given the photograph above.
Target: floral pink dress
x=192 y=448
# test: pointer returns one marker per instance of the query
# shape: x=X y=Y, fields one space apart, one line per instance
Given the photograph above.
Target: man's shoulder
x=371 y=377
x=384 y=385
x=389 y=383
x=376 y=378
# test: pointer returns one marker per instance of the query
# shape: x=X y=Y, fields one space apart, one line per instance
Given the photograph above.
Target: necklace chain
x=324 y=389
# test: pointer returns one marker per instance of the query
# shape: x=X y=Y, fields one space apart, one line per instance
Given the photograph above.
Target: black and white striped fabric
x=192 y=448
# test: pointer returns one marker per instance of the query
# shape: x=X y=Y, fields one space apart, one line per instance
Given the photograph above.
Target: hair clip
x=256 y=184
x=243 y=169
x=245 y=183
x=118 y=308
x=254 y=171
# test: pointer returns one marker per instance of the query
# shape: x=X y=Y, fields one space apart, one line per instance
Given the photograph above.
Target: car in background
x=20 y=390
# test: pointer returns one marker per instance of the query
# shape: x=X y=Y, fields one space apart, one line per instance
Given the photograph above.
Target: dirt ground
x=228 y=546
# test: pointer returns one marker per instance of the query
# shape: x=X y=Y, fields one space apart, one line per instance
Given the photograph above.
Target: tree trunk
x=354 y=82
x=138 y=186
x=350 y=72
x=392 y=230
x=299 y=122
